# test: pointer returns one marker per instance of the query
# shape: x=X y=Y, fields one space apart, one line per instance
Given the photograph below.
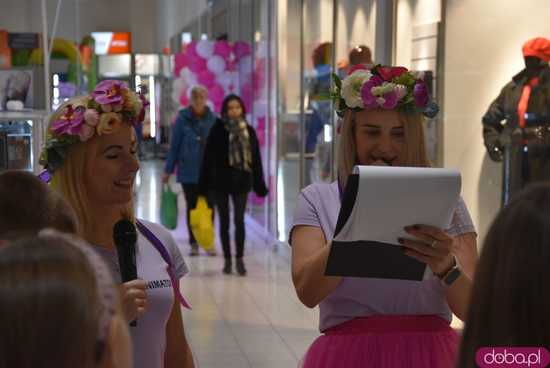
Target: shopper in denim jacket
x=187 y=148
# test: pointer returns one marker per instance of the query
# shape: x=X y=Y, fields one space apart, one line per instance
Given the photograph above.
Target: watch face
x=452 y=276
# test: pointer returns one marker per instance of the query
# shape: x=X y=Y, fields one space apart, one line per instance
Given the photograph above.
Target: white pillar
x=46 y=51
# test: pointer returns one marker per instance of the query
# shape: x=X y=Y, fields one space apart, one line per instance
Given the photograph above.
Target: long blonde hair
x=69 y=179
x=415 y=146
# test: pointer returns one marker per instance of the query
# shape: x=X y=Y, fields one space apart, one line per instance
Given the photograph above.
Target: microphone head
x=124 y=232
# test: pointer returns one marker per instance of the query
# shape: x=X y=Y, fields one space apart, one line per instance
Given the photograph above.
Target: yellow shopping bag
x=201 y=224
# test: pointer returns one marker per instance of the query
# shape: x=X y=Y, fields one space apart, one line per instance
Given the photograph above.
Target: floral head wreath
x=110 y=104
x=390 y=88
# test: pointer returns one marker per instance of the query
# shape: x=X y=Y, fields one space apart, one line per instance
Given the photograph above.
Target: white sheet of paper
x=390 y=198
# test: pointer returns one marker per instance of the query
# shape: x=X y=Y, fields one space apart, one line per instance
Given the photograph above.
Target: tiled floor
x=255 y=321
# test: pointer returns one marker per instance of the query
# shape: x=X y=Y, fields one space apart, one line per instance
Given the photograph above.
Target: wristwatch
x=452 y=275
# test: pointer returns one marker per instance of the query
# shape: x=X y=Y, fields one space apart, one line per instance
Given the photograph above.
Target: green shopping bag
x=169 y=208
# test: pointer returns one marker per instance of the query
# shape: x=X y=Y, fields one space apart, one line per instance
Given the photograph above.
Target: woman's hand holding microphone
x=134 y=299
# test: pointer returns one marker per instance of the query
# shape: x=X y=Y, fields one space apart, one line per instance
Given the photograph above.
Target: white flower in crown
x=383 y=89
x=401 y=91
x=351 y=88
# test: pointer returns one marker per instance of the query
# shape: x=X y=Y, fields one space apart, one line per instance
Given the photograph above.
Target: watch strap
x=452 y=275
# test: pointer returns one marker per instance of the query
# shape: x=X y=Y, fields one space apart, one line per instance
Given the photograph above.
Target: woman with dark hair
x=232 y=167
x=509 y=303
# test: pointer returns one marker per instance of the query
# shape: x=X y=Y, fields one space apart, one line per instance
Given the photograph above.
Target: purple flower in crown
x=377 y=93
x=388 y=100
x=369 y=99
x=109 y=94
x=70 y=122
x=420 y=93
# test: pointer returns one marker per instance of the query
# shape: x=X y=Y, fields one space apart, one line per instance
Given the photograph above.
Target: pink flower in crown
x=91 y=116
x=388 y=101
x=378 y=93
x=109 y=94
x=70 y=122
x=369 y=99
x=86 y=132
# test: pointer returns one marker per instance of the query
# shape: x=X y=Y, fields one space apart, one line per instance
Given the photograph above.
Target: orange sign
x=5 y=51
x=109 y=43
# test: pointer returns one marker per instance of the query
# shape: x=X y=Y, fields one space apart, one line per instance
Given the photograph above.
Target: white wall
x=482 y=52
x=412 y=13
x=136 y=16
x=173 y=15
x=356 y=26
x=289 y=53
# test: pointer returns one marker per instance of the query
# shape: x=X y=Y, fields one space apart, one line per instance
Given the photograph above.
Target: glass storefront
x=322 y=33
x=467 y=50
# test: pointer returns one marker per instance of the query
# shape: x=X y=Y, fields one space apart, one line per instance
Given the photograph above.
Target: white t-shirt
x=149 y=336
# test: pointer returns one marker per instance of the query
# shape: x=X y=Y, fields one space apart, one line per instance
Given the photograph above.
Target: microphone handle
x=128 y=271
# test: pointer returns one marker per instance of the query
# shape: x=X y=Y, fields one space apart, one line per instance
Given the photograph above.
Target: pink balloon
x=216 y=64
x=259 y=82
x=260 y=126
x=223 y=49
x=257 y=200
x=216 y=93
x=218 y=106
x=247 y=96
x=191 y=48
x=241 y=49
x=206 y=79
x=197 y=64
x=261 y=138
x=180 y=61
x=231 y=66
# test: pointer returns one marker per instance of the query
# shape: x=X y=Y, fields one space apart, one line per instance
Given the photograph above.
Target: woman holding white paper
x=370 y=322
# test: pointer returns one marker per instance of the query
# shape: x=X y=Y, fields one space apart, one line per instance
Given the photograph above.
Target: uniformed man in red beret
x=516 y=127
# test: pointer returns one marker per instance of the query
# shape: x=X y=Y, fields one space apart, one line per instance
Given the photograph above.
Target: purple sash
x=166 y=256
x=45 y=177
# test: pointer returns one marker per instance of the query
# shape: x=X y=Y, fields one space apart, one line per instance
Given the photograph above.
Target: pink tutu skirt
x=386 y=342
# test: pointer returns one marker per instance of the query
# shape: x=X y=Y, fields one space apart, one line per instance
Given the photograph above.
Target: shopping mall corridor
x=253 y=321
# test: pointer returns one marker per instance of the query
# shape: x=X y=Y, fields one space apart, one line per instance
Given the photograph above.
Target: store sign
x=23 y=40
x=109 y=43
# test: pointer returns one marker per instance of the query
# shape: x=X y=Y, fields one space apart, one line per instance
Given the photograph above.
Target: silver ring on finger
x=434 y=243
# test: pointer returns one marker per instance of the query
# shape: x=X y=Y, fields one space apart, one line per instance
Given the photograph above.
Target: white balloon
x=245 y=65
x=205 y=49
x=225 y=79
x=262 y=49
x=176 y=96
x=260 y=108
x=180 y=85
x=235 y=79
x=216 y=64
x=189 y=77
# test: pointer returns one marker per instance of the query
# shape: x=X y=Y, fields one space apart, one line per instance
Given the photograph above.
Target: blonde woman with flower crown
x=90 y=154
x=381 y=322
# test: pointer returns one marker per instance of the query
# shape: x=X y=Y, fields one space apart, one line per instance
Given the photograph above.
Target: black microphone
x=125 y=237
